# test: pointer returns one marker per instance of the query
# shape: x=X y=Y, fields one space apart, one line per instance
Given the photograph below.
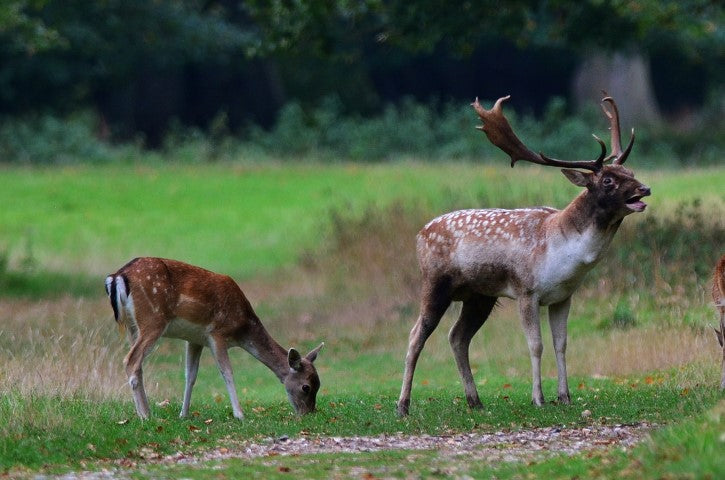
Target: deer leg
x=134 y=368
x=529 y=312
x=193 y=354
x=558 y=315
x=474 y=313
x=722 y=333
x=219 y=349
x=435 y=300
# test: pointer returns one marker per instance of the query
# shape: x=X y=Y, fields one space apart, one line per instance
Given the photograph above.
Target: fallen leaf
x=506 y=385
x=163 y=403
x=258 y=409
x=208 y=421
x=377 y=406
x=194 y=428
x=284 y=469
x=424 y=382
x=218 y=398
x=122 y=422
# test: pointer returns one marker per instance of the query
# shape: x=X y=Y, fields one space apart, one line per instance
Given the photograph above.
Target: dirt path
x=523 y=445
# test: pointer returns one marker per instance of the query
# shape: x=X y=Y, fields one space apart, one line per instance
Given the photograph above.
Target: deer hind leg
x=474 y=313
x=144 y=342
x=529 y=312
x=722 y=344
x=193 y=354
x=558 y=315
x=435 y=300
x=219 y=349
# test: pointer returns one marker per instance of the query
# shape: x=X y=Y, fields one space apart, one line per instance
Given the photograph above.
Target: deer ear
x=312 y=356
x=580 y=179
x=294 y=359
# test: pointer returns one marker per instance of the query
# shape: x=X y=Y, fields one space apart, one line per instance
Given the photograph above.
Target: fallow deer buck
x=156 y=297
x=718 y=296
x=536 y=255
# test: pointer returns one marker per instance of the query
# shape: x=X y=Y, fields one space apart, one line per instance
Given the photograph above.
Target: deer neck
x=584 y=213
x=260 y=344
x=585 y=224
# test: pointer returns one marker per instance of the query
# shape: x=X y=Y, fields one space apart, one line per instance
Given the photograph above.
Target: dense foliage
x=143 y=65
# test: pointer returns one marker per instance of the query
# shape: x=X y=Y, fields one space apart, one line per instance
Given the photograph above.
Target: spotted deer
x=536 y=255
x=718 y=296
x=156 y=297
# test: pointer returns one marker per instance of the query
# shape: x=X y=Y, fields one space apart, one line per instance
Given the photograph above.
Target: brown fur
x=155 y=297
x=718 y=296
x=536 y=255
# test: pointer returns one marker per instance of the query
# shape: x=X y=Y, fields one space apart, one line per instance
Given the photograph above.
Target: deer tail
x=117 y=289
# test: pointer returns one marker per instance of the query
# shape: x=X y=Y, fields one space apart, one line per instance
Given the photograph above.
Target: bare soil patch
x=506 y=446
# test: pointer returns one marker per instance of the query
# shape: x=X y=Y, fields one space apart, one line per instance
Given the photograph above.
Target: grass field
x=325 y=253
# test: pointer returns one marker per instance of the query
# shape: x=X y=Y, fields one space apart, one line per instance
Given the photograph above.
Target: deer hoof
x=475 y=403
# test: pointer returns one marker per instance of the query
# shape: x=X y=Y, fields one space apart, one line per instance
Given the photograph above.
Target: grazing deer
x=536 y=255
x=156 y=297
x=718 y=296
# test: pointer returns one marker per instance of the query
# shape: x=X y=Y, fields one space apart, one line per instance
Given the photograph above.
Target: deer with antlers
x=157 y=297
x=718 y=296
x=536 y=255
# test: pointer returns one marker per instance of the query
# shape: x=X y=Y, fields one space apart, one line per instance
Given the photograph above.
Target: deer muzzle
x=635 y=202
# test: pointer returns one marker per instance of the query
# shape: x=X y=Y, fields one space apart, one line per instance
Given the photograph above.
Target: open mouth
x=636 y=204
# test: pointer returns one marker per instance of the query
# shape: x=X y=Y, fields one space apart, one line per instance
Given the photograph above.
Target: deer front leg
x=722 y=344
x=529 y=312
x=435 y=301
x=219 y=349
x=558 y=315
x=193 y=354
x=474 y=313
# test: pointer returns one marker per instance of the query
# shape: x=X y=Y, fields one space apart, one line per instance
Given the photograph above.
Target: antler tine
x=617 y=154
x=499 y=132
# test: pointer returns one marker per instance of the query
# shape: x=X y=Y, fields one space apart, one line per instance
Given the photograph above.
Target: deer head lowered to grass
x=536 y=255
x=718 y=296
x=156 y=297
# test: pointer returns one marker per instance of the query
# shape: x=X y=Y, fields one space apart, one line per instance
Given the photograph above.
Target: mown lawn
x=244 y=220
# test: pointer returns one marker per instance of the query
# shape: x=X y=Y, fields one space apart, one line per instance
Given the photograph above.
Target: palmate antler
x=499 y=132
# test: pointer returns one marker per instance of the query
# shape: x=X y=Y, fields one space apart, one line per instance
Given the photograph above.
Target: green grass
x=245 y=220
x=62 y=229
x=58 y=433
x=691 y=449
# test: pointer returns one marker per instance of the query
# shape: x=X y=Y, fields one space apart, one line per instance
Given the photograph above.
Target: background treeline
x=357 y=79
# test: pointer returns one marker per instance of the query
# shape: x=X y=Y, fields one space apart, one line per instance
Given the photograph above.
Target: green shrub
x=433 y=131
x=47 y=139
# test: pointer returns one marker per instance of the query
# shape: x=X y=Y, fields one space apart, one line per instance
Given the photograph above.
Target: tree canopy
x=143 y=62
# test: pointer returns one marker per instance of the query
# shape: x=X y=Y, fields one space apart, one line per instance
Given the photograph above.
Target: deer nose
x=644 y=190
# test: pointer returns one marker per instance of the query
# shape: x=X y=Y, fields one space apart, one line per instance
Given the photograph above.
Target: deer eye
x=607 y=181
x=306 y=388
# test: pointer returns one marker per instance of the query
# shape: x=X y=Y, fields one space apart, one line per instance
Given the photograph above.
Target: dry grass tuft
x=62 y=347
